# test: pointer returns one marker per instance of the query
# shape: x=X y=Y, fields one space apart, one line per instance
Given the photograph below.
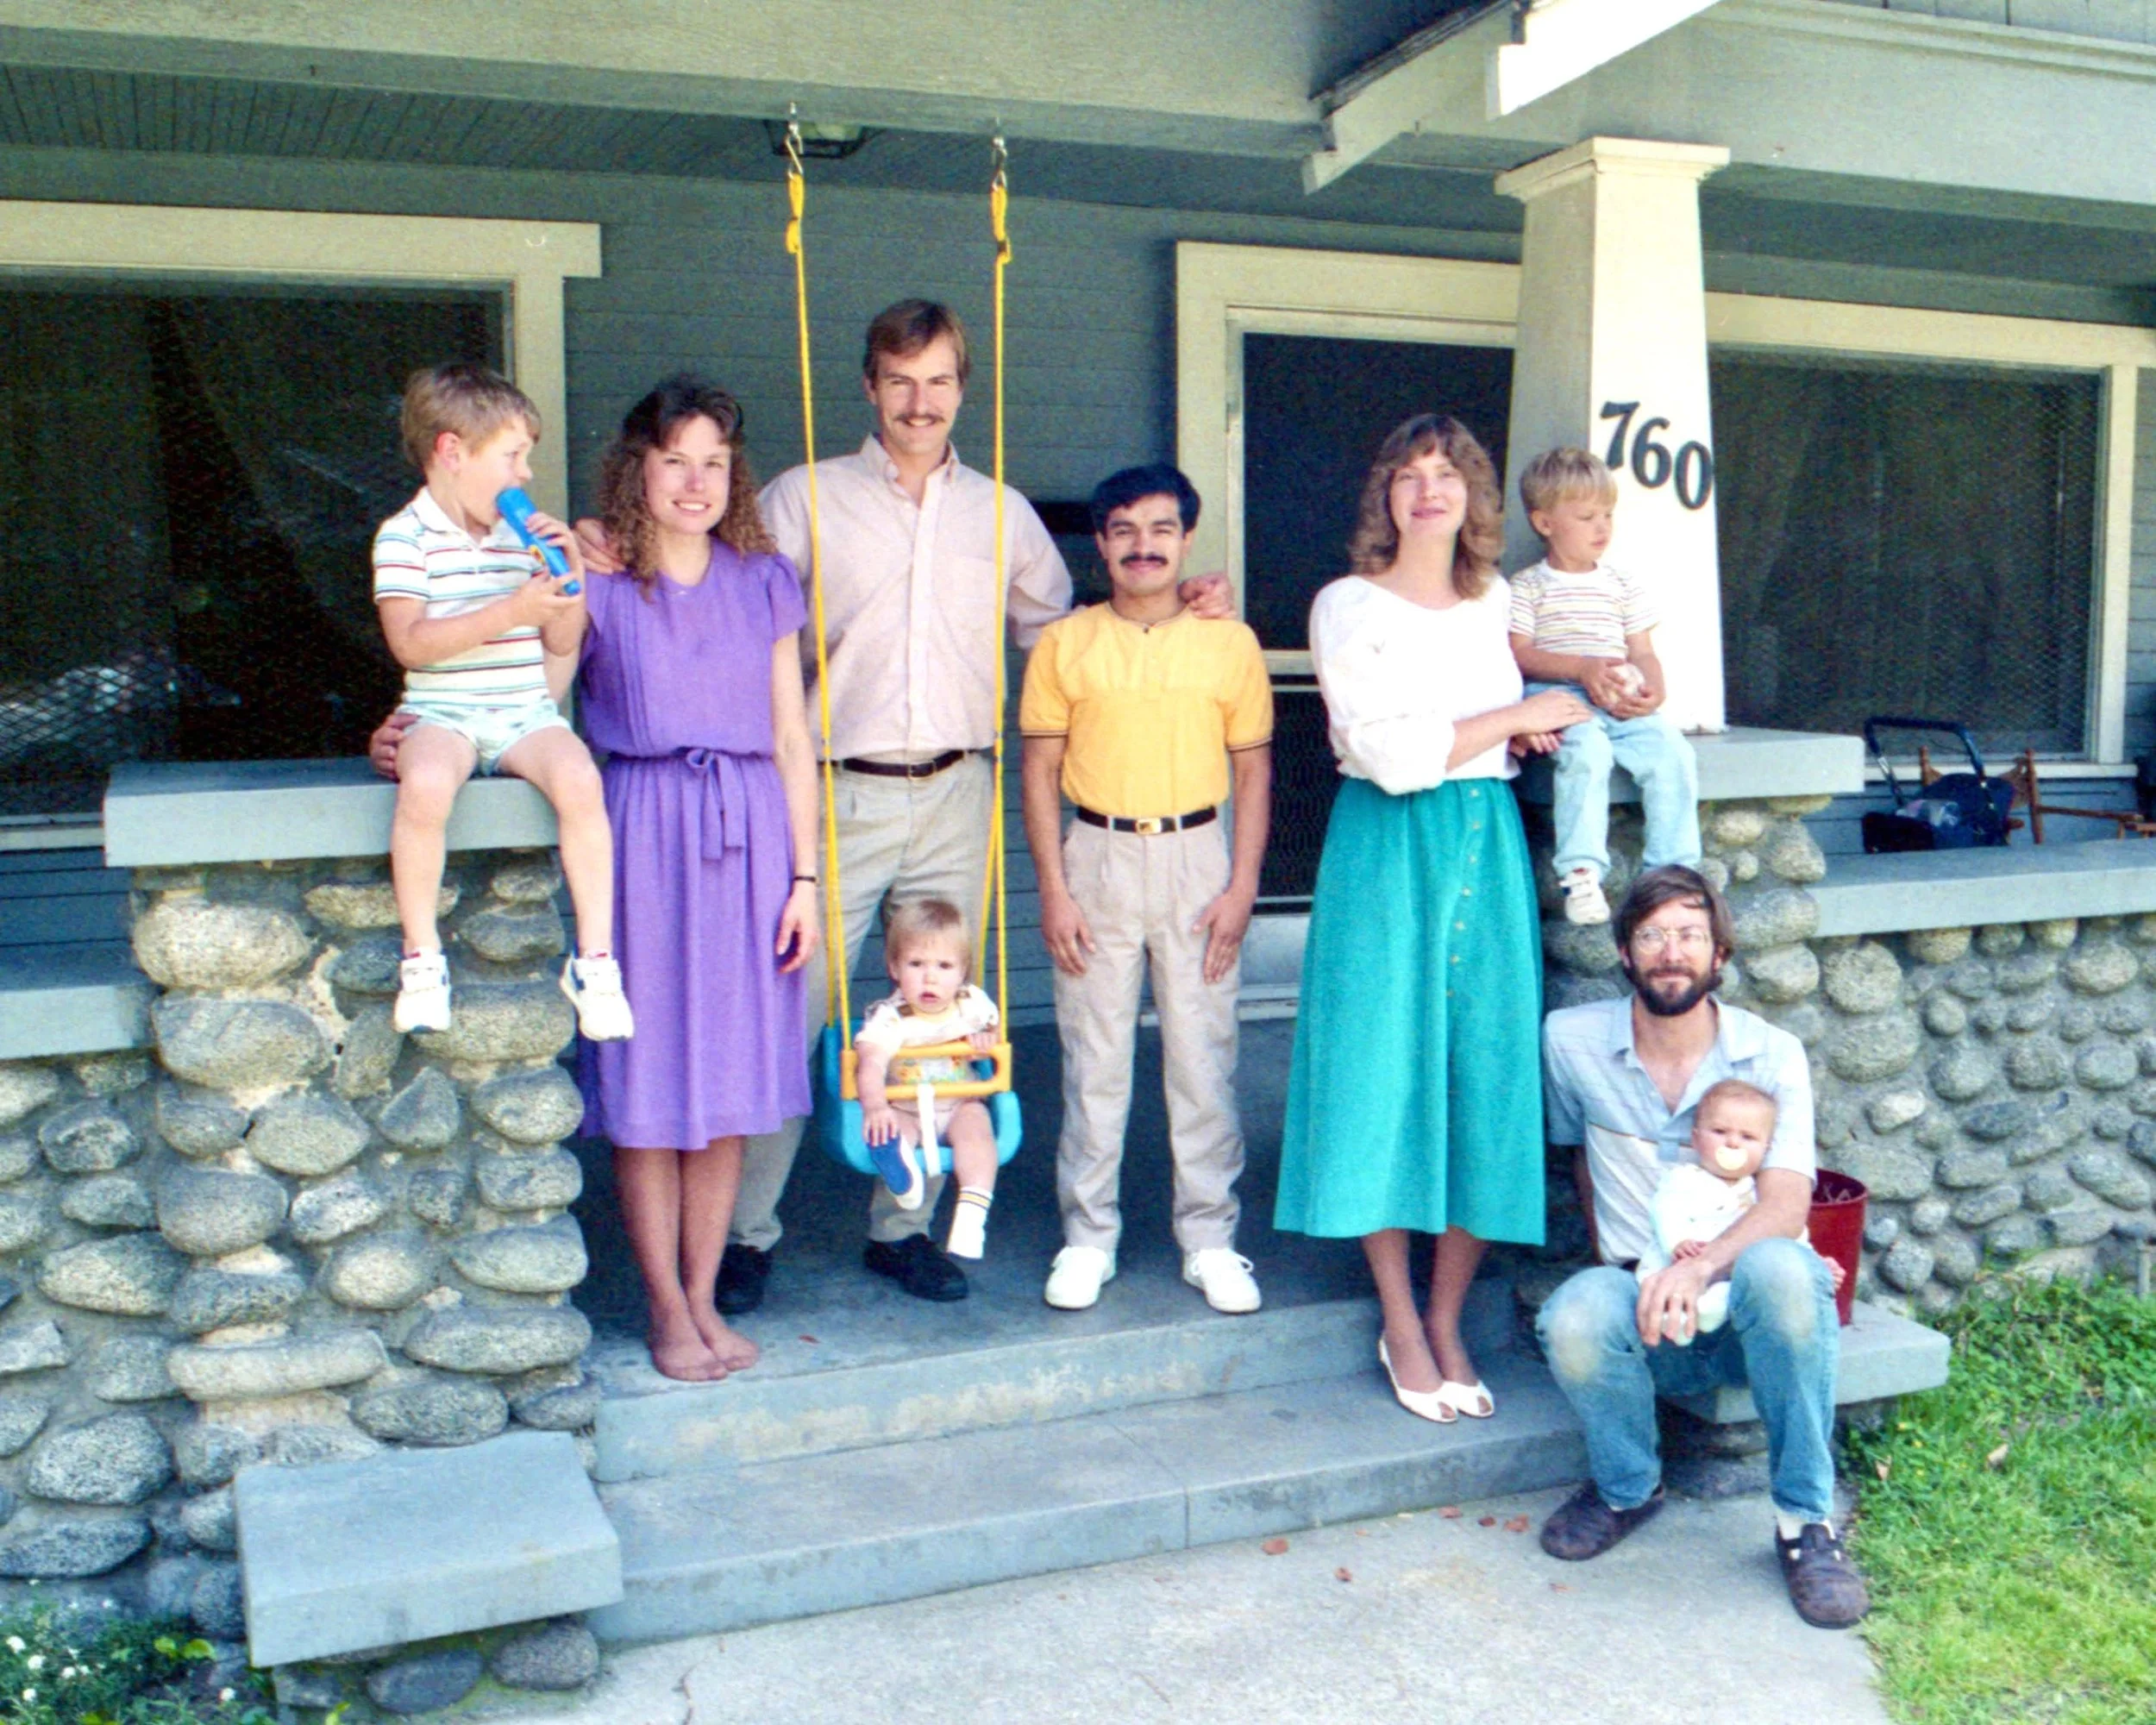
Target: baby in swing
x=929 y=953
x=1695 y=1202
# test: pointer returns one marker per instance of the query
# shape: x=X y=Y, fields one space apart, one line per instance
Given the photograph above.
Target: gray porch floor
x=824 y=1311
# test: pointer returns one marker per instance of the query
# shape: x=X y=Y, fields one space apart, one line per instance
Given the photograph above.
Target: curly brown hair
x=651 y=424
x=1375 y=541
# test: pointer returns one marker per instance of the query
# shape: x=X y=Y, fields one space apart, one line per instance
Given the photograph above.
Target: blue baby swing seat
x=838 y=1111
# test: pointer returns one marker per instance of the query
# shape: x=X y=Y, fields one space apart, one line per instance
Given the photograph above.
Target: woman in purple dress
x=692 y=687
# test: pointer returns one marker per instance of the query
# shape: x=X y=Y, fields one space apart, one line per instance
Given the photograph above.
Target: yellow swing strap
x=992 y=886
x=835 y=990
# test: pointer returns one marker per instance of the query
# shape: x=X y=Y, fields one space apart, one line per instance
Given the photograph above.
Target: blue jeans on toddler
x=1782 y=1339
x=1657 y=755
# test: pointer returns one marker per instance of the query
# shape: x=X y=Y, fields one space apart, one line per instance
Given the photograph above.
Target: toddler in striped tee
x=472 y=615
x=1578 y=625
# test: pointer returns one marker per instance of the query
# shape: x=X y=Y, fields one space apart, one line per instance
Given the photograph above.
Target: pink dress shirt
x=909 y=598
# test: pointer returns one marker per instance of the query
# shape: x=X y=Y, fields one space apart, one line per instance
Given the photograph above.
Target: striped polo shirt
x=1590 y=612
x=419 y=553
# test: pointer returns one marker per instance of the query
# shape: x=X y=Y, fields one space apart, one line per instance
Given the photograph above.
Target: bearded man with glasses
x=1622 y=1079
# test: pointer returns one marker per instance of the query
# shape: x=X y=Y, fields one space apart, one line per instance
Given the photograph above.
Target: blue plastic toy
x=839 y=1115
x=517 y=508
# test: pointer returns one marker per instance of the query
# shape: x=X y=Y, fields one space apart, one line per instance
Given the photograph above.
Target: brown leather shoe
x=1584 y=1527
x=1827 y=1588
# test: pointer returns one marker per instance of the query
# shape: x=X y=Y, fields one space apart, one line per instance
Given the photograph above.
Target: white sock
x=969 y=1223
x=1788 y=1527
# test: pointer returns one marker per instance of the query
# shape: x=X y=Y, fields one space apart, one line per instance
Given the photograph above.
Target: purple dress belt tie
x=722 y=784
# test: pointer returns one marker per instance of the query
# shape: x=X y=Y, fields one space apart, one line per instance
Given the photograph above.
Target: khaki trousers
x=1141 y=896
x=898 y=838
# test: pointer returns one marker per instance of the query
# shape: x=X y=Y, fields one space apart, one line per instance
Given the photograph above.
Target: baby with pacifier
x=1694 y=1202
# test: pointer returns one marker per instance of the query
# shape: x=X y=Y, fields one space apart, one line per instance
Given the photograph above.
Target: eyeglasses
x=1685 y=940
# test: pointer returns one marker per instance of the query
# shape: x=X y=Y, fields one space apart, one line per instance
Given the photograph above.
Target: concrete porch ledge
x=87 y=1000
x=1742 y=764
x=171 y=814
x=1967 y=888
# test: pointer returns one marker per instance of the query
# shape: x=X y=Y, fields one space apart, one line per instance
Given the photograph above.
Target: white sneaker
x=593 y=986
x=1075 y=1278
x=422 y=993
x=1583 y=899
x=1223 y=1275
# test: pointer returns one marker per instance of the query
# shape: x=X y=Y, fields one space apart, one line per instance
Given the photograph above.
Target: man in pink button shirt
x=908 y=540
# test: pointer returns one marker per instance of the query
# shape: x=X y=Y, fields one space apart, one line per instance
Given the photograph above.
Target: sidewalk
x=1439 y=1621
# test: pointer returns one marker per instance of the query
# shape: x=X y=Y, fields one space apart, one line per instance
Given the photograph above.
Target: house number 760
x=1652 y=463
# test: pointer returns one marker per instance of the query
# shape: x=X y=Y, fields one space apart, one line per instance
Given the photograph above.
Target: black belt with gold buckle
x=1151 y=824
x=906 y=770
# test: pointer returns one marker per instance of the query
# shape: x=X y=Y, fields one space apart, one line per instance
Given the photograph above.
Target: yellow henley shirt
x=1150 y=713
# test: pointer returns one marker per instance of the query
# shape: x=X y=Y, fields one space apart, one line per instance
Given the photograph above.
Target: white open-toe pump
x=1423 y=1404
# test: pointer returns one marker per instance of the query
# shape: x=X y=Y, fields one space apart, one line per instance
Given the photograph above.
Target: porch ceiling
x=1950 y=115
x=1746 y=211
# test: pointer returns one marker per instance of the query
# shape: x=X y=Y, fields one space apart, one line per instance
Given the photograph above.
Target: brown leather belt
x=1151 y=824
x=906 y=770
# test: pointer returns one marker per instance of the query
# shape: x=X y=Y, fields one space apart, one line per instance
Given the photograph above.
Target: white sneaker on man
x=1583 y=899
x=1223 y=1275
x=593 y=986
x=422 y=993
x=1075 y=1278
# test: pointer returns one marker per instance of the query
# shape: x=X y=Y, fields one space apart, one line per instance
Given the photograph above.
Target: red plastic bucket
x=1837 y=1225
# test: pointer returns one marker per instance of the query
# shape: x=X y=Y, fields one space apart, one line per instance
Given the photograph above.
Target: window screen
x=1315 y=409
x=1906 y=539
x=191 y=480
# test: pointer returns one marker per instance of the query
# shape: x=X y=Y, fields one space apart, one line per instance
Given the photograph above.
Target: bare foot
x=1409 y=1351
x=733 y=1350
x=681 y=1353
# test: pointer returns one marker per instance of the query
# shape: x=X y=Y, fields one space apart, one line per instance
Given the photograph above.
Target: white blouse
x=1397 y=677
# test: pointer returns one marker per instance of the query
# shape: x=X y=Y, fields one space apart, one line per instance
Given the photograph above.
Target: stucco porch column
x=1610 y=355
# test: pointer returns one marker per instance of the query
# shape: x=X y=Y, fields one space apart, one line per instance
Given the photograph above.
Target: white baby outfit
x=1691 y=1204
x=893 y=1026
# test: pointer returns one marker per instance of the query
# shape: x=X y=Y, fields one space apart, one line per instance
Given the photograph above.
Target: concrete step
x=1883 y=1355
x=726 y=1547
x=649 y=1427
x=427 y=1542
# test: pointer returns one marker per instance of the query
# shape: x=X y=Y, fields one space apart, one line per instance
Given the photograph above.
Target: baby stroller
x=1954 y=811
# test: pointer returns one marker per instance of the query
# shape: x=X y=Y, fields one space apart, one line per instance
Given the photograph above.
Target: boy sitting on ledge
x=472 y=618
x=1580 y=625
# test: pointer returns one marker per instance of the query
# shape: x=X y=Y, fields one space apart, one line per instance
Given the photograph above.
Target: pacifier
x=1729 y=1158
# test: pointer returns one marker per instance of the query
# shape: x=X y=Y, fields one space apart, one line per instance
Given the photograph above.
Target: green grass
x=2008 y=1521
x=74 y=1665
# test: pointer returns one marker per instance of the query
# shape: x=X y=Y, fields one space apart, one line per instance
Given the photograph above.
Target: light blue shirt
x=1596 y=1094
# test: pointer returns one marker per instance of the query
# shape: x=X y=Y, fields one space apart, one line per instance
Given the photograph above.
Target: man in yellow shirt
x=1140 y=713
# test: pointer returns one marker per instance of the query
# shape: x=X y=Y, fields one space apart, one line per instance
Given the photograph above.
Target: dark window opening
x=1315 y=409
x=191 y=480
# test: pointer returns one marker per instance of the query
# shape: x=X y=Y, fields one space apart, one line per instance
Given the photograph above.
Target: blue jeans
x=1782 y=1339
x=1655 y=752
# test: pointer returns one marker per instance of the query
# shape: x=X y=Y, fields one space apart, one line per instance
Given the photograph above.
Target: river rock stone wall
x=1995 y=1087
x=287 y=1233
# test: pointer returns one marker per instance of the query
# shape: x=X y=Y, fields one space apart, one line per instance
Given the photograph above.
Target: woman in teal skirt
x=1414 y=1102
